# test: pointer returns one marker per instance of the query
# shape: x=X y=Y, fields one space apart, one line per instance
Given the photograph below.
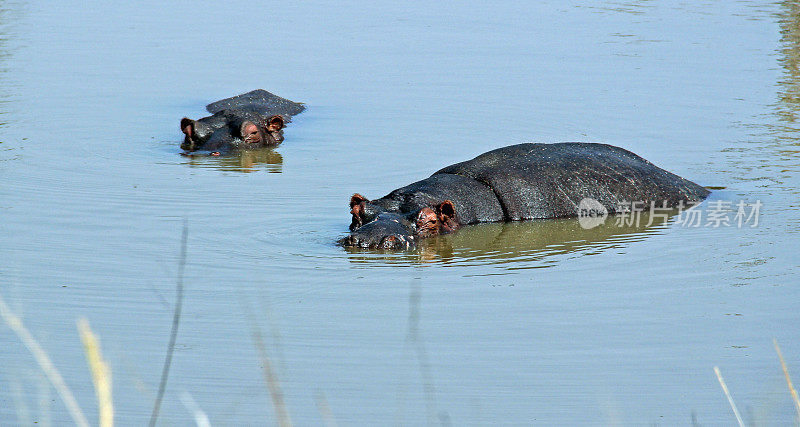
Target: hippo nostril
x=393 y=242
x=348 y=241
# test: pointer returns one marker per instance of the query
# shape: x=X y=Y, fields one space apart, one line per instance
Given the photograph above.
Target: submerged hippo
x=518 y=182
x=252 y=120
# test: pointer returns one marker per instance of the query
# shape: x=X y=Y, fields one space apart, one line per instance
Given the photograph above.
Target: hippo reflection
x=538 y=243
x=518 y=182
x=252 y=120
x=245 y=161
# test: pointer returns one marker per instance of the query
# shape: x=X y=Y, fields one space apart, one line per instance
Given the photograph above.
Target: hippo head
x=376 y=228
x=196 y=133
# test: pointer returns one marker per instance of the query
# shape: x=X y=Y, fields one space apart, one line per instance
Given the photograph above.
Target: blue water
x=535 y=323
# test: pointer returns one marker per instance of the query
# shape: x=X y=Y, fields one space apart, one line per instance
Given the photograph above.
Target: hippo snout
x=397 y=241
x=350 y=241
x=387 y=231
x=390 y=242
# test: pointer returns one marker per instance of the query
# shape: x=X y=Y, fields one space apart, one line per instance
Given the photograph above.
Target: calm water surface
x=532 y=323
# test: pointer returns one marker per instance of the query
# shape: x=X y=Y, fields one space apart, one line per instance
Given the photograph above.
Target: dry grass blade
x=200 y=417
x=788 y=378
x=55 y=378
x=101 y=373
x=728 y=395
x=270 y=377
x=414 y=338
x=176 y=321
x=272 y=382
x=325 y=410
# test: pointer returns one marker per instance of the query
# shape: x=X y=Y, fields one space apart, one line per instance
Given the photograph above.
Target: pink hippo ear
x=276 y=120
x=357 y=206
x=357 y=200
x=446 y=213
x=187 y=126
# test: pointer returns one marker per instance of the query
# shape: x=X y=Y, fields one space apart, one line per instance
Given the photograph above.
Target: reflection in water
x=632 y=7
x=789 y=96
x=244 y=161
x=770 y=157
x=5 y=54
x=783 y=135
x=504 y=244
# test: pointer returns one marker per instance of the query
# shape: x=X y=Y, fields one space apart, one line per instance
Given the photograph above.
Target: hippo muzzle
x=386 y=231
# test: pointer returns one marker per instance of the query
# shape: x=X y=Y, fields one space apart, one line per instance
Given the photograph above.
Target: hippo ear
x=276 y=120
x=446 y=213
x=187 y=127
x=446 y=210
x=357 y=206
x=187 y=122
x=357 y=199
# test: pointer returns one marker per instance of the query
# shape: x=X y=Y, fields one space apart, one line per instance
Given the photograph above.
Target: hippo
x=251 y=120
x=539 y=241
x=514 y=183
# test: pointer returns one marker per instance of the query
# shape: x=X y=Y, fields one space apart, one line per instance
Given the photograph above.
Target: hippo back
x=474 y=201
x=258 y=101
x=536 y=180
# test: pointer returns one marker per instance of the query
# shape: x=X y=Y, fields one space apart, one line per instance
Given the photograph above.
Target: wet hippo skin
x=251 y=120
x=518 y=182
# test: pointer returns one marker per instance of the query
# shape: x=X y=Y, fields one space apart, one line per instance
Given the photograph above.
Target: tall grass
x=176 y=321
x=101 y=374
x=270 y=377
x=792 y=390
x=45 y=364
x=728 y=395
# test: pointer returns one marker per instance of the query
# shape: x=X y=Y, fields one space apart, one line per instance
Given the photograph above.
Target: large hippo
x=251 y=120
x=518 y=182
